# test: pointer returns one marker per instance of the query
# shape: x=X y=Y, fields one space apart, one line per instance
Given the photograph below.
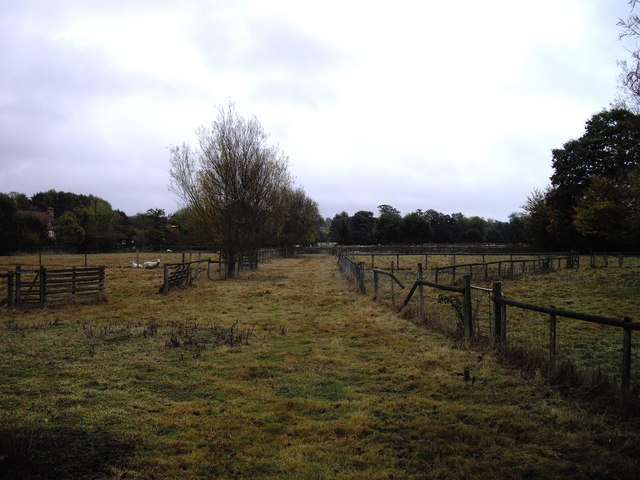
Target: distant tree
x=630 y=75
x=62 y=201
x=8 y=223
x=415 y=228
x=362 y=223
x=233 y=184
x=387 y=225
x=69 y=232
x=341 y=230
x=536 y=217
x=156 y=233
x=301 y=219
x=609 y=149
x=187 y=230
x=22 y=202
x=516 y=228
x=99 y=222
x=475 y=229
x=441 y=226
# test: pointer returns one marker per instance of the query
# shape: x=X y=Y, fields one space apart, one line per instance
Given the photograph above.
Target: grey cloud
x=283 y=47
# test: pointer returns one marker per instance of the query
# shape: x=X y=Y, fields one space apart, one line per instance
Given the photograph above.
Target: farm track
x=284 y=373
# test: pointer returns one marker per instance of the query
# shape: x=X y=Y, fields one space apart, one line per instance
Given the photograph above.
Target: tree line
x=420 y=227
x=88 y=223
x=84 y=223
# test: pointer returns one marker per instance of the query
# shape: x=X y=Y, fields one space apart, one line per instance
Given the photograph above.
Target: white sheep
x=155 y=264
x=135 y=265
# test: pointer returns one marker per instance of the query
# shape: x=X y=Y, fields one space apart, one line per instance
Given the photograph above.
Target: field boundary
x=498 y=320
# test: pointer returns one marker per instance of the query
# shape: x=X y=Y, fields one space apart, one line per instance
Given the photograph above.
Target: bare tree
x=233 y=183
x=630 y=75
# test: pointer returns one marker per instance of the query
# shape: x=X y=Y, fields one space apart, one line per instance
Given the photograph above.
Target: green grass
x=319 y=383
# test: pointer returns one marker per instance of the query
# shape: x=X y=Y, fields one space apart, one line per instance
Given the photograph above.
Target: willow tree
x=233 y=182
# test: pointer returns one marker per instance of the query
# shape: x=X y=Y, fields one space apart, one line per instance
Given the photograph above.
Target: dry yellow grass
x=318 y=382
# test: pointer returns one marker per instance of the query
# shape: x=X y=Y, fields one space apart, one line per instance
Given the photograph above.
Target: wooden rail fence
x=352 y=270
x=508 y=268
x=500 y=323
x=394 y=280
x=498 y=307
x=40 y=287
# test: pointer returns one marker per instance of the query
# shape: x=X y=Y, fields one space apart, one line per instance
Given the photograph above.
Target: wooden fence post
x=552 y=337
x=626 y=357
x=375 y=284
x=497 y=313
x=42 y=274
x=361 y=280
x=73 y=281
x=467 y=309
x=393 y=290
x=165 y=279
x=421 y=291
x=101 y=276
x=10 y=292
x=18 y=285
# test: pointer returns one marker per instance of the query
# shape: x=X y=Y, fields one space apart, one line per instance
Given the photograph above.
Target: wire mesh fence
x=595 y=353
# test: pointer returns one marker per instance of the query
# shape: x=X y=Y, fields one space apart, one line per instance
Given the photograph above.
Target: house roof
x=45 y=218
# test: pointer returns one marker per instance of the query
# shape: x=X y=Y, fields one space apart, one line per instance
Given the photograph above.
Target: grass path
x=286 y=373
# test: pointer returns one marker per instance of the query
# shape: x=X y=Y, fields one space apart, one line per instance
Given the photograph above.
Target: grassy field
x=284 y=373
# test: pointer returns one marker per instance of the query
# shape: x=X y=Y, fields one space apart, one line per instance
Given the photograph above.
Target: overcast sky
x=450 y=105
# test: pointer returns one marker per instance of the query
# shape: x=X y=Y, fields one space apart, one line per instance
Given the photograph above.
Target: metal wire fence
x=596 y=353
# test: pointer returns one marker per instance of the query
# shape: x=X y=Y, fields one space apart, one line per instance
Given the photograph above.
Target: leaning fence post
x=468 y=309
x=496 y=295
x=626 y=356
